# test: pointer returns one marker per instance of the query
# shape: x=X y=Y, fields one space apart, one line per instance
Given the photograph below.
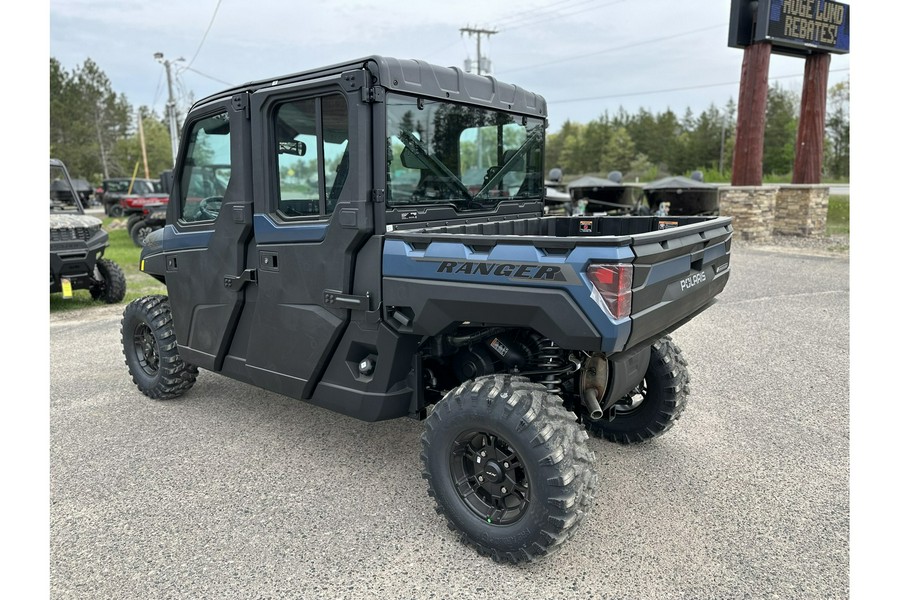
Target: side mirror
x=292 y=147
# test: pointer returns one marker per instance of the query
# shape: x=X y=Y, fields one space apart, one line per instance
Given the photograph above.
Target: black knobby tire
x=109 y=282
x=537 y=473
x=151 y=353
x=116 y=211
x=139 y=231
x=132 y=219
x=652 y=408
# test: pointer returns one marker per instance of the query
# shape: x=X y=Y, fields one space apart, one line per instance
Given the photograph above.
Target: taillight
x=612 y=286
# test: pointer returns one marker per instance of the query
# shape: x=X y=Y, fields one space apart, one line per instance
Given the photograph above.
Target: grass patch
x=123 y=252
x=838 y=221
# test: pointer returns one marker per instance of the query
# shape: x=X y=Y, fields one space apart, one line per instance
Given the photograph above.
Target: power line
x=616 y=48
x=678 y=89
x=571 y=14
x=428 y=55
x=208 y=76
x=208 y=27
x=528 y=14
x=157 y=92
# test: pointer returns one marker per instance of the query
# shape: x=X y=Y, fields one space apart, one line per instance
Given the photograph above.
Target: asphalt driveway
x=233 y=492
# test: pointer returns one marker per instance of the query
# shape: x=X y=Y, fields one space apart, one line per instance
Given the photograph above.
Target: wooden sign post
x=811 y=129
x=751 y=116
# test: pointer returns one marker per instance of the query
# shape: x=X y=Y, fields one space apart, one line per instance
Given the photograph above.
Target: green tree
x=87 y=119
x=620 y=152
x=668 y=145
x=645 y=132
x=781 y=131
x=127 y=151
x=837 y=131
x=706 y=141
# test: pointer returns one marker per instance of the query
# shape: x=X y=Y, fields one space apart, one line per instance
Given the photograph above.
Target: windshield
x=473 y=158
x=63 y=197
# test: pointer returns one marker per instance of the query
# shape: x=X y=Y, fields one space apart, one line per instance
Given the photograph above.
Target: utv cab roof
x=410 y=76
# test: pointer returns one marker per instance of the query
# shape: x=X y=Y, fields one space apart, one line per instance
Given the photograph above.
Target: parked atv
x=77 y=244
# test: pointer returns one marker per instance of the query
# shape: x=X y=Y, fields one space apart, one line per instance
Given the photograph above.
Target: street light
x=170 y=105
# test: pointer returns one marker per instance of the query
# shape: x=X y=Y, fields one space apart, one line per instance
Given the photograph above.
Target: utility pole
x=143 y=144
x=170 y=105
x=478 y=33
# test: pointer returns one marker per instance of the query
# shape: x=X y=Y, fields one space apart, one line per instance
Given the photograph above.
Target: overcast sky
x=584 y=56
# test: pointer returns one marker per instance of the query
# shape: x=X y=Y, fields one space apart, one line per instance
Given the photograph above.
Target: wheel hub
x=490 y=479
x=146 y=349
x=493 y=471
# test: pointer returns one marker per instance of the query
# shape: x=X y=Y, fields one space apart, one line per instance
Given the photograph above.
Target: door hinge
x=237 y=282
x=241 y=103
x=373 y=94
x=377 y=196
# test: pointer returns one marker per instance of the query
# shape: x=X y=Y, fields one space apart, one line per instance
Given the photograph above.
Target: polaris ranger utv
x=380 y=250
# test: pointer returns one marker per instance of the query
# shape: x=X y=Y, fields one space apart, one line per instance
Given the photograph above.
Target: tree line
x=645 y=146
x=94 y=130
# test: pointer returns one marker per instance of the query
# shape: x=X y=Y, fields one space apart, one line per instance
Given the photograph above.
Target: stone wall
x=801 y=210
x=759 y=212
x=752 y=210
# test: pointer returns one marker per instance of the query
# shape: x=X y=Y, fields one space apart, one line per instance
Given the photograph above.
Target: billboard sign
x=797 y=27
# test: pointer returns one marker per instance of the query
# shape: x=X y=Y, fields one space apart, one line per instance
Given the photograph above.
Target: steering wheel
x=209 y=208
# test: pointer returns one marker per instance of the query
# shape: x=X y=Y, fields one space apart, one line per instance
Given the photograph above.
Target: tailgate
x=676 y=275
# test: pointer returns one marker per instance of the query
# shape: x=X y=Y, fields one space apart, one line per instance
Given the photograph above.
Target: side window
x=207 y=168
x=312 y=146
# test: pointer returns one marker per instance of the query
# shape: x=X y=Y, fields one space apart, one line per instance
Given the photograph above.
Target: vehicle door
x=211 y=226
x=312 y=215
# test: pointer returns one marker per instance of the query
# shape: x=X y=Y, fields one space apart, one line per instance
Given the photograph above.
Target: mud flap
x=626 y=370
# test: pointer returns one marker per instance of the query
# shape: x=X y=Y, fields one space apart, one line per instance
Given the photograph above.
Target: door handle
x=336 y=299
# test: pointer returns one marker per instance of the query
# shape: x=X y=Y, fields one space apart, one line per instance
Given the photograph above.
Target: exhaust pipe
x=594 y=379
x=589 y=398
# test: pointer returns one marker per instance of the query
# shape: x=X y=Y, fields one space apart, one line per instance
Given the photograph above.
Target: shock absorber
x=551 y=359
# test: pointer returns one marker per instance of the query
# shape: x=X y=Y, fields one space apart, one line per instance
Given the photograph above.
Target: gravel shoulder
x=829 y=245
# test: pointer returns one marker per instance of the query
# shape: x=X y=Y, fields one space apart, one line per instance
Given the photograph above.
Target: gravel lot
x=233 y=492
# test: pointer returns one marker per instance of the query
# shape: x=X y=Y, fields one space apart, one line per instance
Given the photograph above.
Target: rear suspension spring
x=552 y=362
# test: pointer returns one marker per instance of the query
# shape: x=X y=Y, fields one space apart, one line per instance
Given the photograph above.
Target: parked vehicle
x=607 y=196
x=77 y=245
x=151 y=218
x=513 y=335
x=135 y=206
x=557 y=200
x=115 y=189
x=84 y=190
x=679 y=196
